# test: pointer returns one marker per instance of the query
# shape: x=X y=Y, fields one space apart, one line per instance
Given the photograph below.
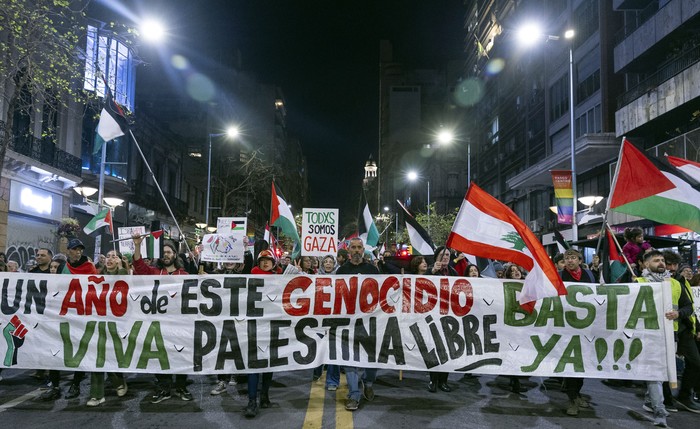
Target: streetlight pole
x=232 y=132
x=206 y=215
x=412 y=176
x=574 y=225
x=529 y=34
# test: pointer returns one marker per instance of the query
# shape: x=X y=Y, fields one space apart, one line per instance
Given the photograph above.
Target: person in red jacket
x=266 y=265
x=168 y=264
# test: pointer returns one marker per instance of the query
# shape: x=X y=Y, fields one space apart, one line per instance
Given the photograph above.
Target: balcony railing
x=630 y=27
x=684 y=146
x=148 y=196
x=664 y=73
x=46 y=152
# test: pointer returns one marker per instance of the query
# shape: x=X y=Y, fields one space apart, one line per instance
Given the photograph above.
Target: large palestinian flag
x=649 y=188
x=281 y=216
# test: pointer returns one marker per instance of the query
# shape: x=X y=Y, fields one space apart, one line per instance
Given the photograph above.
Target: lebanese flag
x=101 y=219
x=649 y=188
x=420 y=240
x=487 y=228
x=281 y=216
x=691 y=168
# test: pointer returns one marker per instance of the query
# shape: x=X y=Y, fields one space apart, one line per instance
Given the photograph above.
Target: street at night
x=479 y=402
x=349 y=214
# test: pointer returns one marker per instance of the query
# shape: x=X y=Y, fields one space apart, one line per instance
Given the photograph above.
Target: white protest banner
x=222 y=248
x=126 y=247
x=696 y=299
x=319 y=232
x=245 y=324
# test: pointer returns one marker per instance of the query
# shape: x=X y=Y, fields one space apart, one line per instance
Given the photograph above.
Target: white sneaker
x=121 y=390
x=219 y=389
x=93 y=402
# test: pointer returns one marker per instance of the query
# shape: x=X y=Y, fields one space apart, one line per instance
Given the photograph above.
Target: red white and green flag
x=691 y=168
x=281 y=216
x=101 y=219
x=154 y=244
x=649 y=188
x=487 y=228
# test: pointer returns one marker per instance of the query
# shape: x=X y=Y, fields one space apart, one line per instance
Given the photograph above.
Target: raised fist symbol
x=14 y=334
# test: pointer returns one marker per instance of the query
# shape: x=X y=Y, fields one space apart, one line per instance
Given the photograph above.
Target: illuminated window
x=112 y=58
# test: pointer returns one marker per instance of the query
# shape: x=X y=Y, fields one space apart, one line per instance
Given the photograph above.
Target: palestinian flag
x=281 y=216
x=103 y=218
x=562 y=244
x=238 y=226
x=366 y=228
x=113 y=122
x=154 y=245
x=691 y=168
x=616 y=261
x=654 y=190
x=420 y=240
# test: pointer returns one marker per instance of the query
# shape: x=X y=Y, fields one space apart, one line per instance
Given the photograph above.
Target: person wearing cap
x=168 y=264
x=498 y=268
x=78 y=263
x=574 y=272
x=265 y=266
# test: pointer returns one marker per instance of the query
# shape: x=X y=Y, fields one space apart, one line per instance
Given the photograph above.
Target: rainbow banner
x=564 y=194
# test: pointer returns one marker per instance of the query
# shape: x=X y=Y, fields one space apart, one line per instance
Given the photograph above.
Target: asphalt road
x=481 y=402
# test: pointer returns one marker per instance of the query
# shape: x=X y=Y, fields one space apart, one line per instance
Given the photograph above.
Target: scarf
x=575 y=274
x=653 y=276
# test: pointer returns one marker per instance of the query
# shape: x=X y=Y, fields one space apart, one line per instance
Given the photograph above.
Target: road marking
x=17 y=401
x=343 y=417
x=314 y=411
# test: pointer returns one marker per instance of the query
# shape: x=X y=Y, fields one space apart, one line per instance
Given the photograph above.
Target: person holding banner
x=441 y=267
x=654 y=271
x=574 y=272
x=167 y=264
x=356 y=265
x=265 y=266
x=113 y=267
x=237 y=269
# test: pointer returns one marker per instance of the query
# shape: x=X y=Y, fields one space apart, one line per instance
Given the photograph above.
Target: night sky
x=325 y=57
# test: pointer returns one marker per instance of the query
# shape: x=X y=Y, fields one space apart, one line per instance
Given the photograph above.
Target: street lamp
x=530 y=34
x=446 y=137
x=412 y=176
x=231 y=132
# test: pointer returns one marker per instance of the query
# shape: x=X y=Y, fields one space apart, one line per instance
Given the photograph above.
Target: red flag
x=487 y=228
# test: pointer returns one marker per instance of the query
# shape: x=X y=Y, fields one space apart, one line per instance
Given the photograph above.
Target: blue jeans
x=655 y=396
x=353 y=376
x=333 y=376
x=253 y=384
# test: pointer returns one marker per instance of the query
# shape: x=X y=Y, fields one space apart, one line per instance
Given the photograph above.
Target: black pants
x=165 y=381
x=687 y=347
x=573 y=387
x=438 y=377
x=55 y=377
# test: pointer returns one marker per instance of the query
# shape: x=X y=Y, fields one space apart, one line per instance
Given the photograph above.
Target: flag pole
x=153 y=176
x=619 y=248
x=111 y=227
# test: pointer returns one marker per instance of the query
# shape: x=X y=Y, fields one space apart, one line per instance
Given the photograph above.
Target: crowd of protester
x=646 y=263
